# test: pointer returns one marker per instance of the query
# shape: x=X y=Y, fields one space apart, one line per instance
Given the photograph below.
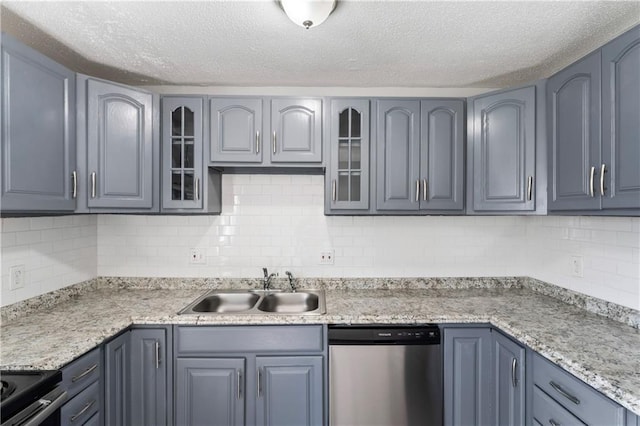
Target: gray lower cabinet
x=620 y=182
x=419 y=155
x=118 y=154
x=82 y=380
x=467 y=377
x=265 y=132
x=290 y=391
x=188 y=186
x=38 y=132
x=347 y=176
x=151 y=377
x=254 y=375
x=509 y=380
x=117 y=380
x=210 y=391
x=502 y=147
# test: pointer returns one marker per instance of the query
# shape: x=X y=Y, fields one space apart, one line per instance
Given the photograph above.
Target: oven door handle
x=40 y=410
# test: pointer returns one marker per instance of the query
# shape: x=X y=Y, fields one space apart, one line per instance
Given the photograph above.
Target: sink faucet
x=266 y=283
x=291 y=283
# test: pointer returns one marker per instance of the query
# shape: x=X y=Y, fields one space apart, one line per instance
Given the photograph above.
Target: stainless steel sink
x=241 y=302
x=290 y=303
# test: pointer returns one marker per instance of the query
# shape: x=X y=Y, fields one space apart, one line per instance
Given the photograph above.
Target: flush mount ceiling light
x=308 y=13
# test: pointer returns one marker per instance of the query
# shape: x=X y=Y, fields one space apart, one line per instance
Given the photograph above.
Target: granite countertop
x=602 y=352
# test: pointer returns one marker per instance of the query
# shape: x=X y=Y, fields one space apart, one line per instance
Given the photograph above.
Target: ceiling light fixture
x=308 y=13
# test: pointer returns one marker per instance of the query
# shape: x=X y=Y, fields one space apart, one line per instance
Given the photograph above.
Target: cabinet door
x=210 y=391
x=150 y=364
x=290 y=391
x=349 y=163
x=504 y=147
x=119 y=146
x=467 y=376
x=296 y=131
x=620 y=186
x=38 y=131
x=236 y=130
x=182 y=163
x=117 y=380
x=509 y=380
x=573 y=111
x=398 y=155
x=442 y=155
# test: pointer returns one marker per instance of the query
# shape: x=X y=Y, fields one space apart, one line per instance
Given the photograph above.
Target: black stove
x=20 y=389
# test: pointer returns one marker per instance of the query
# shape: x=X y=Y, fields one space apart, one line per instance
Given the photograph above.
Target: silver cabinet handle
x=259 y=383
x=257 y=141
x=198 y=189
x=424 y=189
x=593 y=172
x=84 y=410
x=553 y=423
x=74 y=184
x=84 y=373
x=93 y=184
x=333 y=190
x=603 y=169
x=529 y=188
x=157 y=345
x=514 y=366
x=274 y=141
x=564 y=393
x=239 y=378
x=417 y=190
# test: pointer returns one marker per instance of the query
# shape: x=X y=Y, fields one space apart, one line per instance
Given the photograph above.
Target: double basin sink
x=232 y=302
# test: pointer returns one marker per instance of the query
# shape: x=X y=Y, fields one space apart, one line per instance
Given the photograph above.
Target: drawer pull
x=564 y=393
x=553 y=422
x=84 y=410
x=514 y=367
x=84 y=373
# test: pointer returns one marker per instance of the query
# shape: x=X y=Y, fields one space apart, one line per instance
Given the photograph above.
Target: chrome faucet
x=266 y=282
x=291 y=283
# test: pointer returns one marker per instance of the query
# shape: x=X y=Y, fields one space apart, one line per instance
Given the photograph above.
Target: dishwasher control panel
x=389 y=335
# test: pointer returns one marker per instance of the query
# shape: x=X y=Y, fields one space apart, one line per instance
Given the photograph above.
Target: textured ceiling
x=363 y=44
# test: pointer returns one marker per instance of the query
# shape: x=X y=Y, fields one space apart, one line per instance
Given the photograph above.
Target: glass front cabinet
x=182 y=170
x=348 y=180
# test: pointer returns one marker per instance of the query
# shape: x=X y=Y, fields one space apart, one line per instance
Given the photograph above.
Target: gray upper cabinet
x=210 y=391
x=620 y=184
x=467 y=377
x=509 y=380
x=573 y=108
x=236 y=130
x=290 y=391
x=38 y=132
x=120 y=151
x=503 y=149
x=151 y=361
x=442 y=155
x=296 y=130
x=348 y=171
x=398 y=155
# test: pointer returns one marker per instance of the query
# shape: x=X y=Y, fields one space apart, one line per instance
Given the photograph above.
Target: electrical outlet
x=16 y=277
x=577 y=266
x=196 y=256
x=326 y=257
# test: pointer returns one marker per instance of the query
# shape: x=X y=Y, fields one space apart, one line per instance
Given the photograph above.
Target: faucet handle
x=265 y=272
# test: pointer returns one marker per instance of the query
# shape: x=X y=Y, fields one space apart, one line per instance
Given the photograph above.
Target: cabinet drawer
x=548 y=412
x=81 y=372
x=581 y=399
x=81 y=407
x=202 y=340
x=93 y=421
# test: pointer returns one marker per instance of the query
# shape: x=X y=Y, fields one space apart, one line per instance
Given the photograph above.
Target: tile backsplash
x=277 y=221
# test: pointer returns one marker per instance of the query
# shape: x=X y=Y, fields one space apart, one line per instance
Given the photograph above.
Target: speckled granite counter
x=602 y=352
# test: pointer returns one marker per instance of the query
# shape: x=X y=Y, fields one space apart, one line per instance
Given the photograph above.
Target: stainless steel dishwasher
x=385 y=375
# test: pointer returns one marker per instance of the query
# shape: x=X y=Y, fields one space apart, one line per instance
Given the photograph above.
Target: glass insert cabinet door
x=349 y=154
x=182 y=155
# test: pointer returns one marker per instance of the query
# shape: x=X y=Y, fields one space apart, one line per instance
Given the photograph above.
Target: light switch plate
x=577 y=266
